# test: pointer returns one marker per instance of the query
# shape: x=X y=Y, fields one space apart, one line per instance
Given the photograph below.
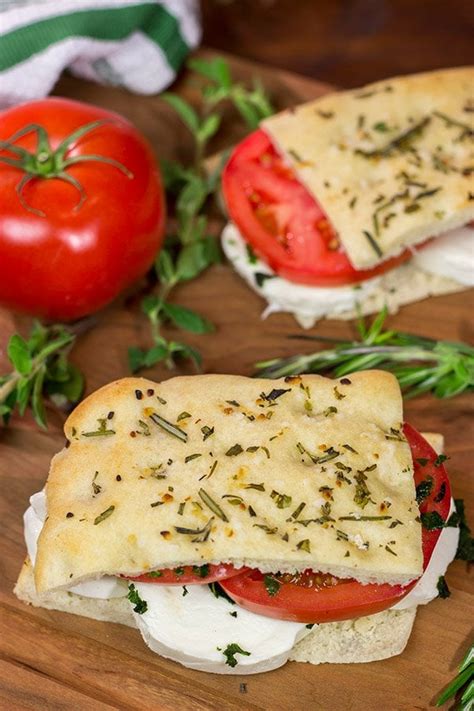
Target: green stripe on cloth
x=102 y=24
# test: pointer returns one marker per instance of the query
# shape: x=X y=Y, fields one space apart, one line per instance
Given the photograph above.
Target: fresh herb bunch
x=421 y=365
x=40 y=368
x=191 y=249
x=464 y=681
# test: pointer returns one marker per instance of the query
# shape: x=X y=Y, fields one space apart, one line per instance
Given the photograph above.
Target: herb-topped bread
x=279 y=475
x=390 y=164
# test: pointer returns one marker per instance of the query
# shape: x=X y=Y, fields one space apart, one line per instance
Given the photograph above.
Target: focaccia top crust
x=267 y=473
x=391 y=163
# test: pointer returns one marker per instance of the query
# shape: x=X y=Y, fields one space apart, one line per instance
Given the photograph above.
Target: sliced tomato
x=317 y=597
x=283 y=223
x=189 y=574
x=431 y=478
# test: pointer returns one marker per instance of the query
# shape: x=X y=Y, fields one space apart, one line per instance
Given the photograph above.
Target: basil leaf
x=432 y=521
x=231 y=650
x=133 y=596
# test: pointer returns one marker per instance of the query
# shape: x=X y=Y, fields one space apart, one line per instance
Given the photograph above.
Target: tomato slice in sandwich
x=189 y=574
x=283 y=223
x=316 y=597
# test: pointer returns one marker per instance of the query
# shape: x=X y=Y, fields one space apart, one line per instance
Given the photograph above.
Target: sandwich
x=239 y=523
x=358 y=199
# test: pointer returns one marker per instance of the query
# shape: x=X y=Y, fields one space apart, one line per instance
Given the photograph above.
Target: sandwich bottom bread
x=239 y=523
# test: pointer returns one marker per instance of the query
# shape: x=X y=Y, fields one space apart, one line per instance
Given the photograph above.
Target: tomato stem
x=46 y=163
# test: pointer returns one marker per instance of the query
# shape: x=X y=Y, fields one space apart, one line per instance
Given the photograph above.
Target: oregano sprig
x=444 y=368
x=40 y=368
x=190 y=249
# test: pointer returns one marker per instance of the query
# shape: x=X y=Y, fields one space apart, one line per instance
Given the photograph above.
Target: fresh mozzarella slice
x=308 y=303
x=402 y=285
x=33 y=518
x=195 y=628
x=426 y=588
x=451 y=255
x=32 y=525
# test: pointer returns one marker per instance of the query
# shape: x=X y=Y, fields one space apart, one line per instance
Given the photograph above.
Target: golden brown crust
x=115 y=501
x=392 y=160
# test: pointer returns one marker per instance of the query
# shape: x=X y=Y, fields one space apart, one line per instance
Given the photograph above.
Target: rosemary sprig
x=190 y=249
x=463 y=681
x=40 y=368
x=444 y=368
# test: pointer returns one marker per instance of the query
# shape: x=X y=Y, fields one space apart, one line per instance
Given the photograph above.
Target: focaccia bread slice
x=390 y=164
x=283 y=475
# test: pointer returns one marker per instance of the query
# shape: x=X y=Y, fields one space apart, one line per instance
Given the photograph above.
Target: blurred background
x=344 y=42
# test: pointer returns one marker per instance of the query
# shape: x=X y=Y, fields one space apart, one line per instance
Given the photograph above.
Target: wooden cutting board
x=51 y=660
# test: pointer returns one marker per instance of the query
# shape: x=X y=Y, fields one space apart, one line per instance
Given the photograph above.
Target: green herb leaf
x=272 y=586
x=105 y=514
x=218 y=591
x=169 y=427
x=40 y=370
x=432 y=521
x=217 y=70
x=165 y=270
x=230 y=651
x=421 y=365
x=424 y=489
x=465 y=549
x=201 y=570
x=234 y=450
x=184 y=110
x=212 y=505
x=141 y=606
x=187 y=319
x=464 y=680
x=442 y=587
x=19 y=354
x=304 y=545
x=190 y=249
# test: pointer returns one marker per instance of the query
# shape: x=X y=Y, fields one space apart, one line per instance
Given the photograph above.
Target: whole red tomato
x=81 y=207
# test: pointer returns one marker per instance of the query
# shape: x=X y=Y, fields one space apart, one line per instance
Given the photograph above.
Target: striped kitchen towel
x=136 y=45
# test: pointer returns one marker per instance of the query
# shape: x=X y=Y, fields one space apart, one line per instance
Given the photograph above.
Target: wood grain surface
x=52 y=660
